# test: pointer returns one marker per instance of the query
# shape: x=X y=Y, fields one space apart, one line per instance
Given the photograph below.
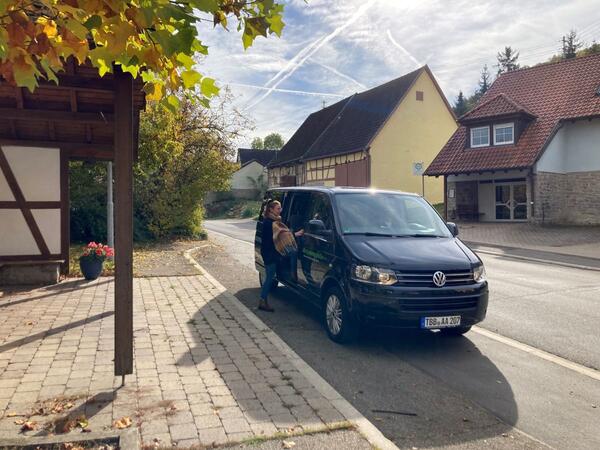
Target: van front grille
x=438 y=304
x=425 y=278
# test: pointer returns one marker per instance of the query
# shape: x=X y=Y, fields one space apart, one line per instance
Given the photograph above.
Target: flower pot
x=91 y=268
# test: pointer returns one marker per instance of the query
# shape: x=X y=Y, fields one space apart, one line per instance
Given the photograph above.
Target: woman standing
x=277 y=240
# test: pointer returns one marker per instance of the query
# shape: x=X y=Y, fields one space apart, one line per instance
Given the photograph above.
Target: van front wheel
x=339 y=323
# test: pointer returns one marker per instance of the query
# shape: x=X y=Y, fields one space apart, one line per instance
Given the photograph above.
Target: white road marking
x=583 y=370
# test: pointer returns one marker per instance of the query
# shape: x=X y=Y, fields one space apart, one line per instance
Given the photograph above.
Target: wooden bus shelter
x=84 y=117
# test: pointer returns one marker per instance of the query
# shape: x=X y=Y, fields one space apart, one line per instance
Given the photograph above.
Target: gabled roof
x=499 y=106
x=349 y=125
x=553 y=92
x=247 y=155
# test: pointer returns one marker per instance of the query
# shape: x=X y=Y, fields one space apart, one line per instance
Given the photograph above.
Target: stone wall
x=571 y=198
x=451 y=187
x=23 y=274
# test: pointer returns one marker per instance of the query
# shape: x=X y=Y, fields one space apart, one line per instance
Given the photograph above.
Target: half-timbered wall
x=33 y=204
x=322 y=171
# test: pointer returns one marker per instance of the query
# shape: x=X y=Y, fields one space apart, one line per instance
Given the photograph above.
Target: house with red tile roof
x=529 y=150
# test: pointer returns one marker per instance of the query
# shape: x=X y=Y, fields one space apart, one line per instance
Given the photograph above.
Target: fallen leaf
x=19 y=422
x=28 y=426
x=288 y=444
x=11 y=414
x=123 y=422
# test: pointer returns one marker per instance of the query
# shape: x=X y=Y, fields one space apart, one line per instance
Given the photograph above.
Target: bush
x=181 y=157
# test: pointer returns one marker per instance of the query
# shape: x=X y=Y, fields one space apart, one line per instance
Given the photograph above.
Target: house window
x=480 y=137
x=504 y=133
x=420 y=96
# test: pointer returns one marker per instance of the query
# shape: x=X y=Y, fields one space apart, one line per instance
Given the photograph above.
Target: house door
x=511 y=201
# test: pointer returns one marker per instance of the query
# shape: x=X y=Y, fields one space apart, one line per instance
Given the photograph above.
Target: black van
x=378 y=256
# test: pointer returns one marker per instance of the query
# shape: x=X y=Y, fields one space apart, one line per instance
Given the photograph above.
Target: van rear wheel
x=340 y=324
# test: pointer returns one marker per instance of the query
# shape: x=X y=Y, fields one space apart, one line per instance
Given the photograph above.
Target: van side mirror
x=316 y=226
x=453 y=228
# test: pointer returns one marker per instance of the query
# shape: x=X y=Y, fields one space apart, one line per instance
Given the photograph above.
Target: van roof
x=339 y=189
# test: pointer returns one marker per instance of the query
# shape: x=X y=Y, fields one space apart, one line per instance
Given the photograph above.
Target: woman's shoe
x=264 y=306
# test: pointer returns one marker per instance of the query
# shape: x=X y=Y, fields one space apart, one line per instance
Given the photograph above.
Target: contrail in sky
x=287 y=91
x=406 y=52
x=303 y=55
x=340 y=74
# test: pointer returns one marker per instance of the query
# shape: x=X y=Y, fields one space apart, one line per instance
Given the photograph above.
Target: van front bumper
x=404 y=307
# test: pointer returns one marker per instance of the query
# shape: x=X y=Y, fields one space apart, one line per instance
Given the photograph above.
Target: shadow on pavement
x=416 y=387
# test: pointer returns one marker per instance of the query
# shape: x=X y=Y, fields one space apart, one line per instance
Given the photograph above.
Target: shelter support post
x=123 y=142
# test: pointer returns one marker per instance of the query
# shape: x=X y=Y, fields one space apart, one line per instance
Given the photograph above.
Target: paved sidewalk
x=205 y=373
x=568 y=240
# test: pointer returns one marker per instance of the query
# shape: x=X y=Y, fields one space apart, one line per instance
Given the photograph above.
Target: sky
x=333 y=48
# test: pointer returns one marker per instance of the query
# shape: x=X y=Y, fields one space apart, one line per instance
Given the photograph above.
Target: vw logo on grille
x=439 y=278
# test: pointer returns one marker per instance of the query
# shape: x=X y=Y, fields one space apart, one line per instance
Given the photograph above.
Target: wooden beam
x=446 y=198
x=73 y=100
x=30 y=205
x=56 y=116
x=123 y=223
x=79 y=150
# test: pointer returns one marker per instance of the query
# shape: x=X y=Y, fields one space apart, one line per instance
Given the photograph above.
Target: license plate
x=440 y=322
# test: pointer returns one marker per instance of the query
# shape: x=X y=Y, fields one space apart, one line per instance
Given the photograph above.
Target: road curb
x=363 y=425
x=530 y=258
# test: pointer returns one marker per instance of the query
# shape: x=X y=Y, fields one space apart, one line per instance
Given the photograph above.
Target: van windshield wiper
x=423 y=235
x=370 y=233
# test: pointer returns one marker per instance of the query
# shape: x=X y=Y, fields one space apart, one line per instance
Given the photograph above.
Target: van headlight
x=479 y=274
x=376 y=275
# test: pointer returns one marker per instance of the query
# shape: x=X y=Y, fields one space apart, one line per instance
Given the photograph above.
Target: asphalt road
x=467 y=392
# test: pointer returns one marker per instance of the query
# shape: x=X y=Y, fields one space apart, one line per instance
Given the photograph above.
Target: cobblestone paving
x=203 y=373
x=572 y=240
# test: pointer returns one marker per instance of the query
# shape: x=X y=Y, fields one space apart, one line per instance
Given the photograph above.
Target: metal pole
x=110 y=217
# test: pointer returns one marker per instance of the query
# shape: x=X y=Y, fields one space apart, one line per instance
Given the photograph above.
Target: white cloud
x=454 y=38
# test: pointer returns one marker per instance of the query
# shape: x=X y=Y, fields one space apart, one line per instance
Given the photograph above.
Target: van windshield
x=388 y=214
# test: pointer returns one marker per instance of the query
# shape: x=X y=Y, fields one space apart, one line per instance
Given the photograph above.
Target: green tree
x=273 y=141
x=460 y=107
x=257 y=144
x=155 y=39
x=571 y=45
x=484 y=81
x=507 y=60
x=594 y=48
x=182 y=155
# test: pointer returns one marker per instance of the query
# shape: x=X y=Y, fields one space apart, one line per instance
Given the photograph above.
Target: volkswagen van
x=374 y=256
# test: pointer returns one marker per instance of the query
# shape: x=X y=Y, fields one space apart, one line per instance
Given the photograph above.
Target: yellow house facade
x=383 y=138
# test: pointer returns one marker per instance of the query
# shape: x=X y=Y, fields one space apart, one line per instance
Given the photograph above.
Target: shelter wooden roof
x=77 y=115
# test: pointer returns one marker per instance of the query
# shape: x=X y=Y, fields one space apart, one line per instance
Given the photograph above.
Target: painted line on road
x=370 y=432
x=231 y=237
x=582 y=370
x=539 y=260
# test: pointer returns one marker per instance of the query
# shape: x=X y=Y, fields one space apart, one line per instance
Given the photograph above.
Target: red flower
x=99 y=252
x=92 y=245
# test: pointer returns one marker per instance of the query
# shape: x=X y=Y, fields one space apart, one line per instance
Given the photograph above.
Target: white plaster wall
x=575 y=148
x=48 y=221
x=15 y=237
x=240 y=179
x=37 y=171
x=5 y=192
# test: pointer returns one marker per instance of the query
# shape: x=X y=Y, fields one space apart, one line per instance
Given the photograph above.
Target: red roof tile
x=500 y=105
x=552 y=92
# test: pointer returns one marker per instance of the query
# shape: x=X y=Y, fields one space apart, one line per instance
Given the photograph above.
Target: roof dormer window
x=504 y=133
x=480 y=137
